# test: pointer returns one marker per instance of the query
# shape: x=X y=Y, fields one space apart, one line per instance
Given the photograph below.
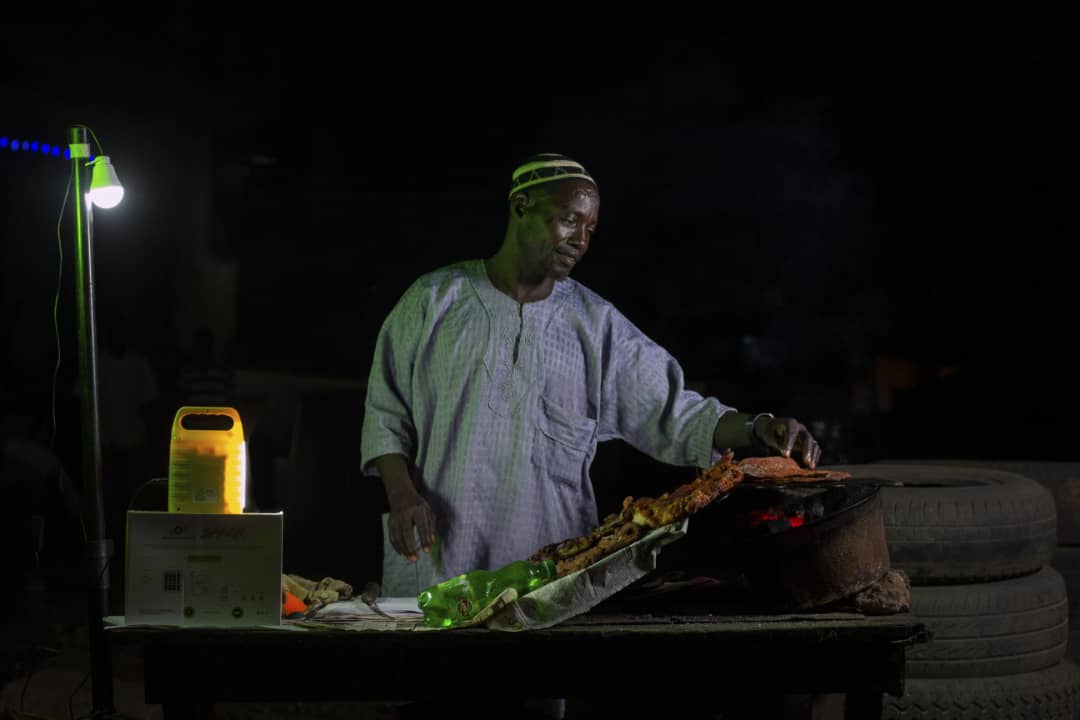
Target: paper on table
x=355 y=609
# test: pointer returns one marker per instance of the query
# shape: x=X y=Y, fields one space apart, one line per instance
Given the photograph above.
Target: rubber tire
x=1047 y=694
x=1062 y=479
x=997 y=628
x=947 y=524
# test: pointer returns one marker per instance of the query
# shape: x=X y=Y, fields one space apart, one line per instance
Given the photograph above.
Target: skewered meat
x=621 y=529
x=637 y=516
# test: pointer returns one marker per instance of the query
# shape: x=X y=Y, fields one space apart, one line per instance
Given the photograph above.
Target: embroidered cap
x=546 y=167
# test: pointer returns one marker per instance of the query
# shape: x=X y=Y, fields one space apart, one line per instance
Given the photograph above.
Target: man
x=493 y=381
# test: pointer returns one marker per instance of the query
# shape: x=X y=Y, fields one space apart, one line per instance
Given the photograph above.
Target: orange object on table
x=292 y=605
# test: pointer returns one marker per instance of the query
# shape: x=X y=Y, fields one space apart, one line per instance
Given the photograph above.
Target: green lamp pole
x=99 y=548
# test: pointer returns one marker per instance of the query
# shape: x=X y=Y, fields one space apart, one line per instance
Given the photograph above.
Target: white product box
x=192 y=569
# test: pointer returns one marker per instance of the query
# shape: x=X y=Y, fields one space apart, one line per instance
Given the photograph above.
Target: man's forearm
x=730 y=432
x=394 y=470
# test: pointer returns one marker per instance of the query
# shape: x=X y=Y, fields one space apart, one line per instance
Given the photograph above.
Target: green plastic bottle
x=457 y=600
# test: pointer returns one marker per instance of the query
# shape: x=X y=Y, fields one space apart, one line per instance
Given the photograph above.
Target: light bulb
x=105 y=188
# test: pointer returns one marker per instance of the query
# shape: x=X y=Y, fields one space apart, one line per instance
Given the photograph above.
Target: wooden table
x=187 y=670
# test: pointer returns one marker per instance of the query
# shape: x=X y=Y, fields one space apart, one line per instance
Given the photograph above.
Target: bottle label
x=504 y=599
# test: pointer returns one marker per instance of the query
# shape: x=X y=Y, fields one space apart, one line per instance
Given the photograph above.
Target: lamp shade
x=105 y=188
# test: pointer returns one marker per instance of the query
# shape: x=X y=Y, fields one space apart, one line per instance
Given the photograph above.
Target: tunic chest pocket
x=564 y=443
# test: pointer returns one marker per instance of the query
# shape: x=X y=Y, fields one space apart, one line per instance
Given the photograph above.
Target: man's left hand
x=787 y=437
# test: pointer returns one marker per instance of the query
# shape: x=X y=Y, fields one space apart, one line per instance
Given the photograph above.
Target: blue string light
x=46 y=149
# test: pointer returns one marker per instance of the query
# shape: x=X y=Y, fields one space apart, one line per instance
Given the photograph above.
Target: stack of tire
x=977 y=545
x=1062 y=479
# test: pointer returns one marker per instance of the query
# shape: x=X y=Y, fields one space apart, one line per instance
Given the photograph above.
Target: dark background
x=869 y=228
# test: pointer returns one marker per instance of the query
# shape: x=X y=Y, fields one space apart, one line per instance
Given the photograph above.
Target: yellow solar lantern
x=207 y=461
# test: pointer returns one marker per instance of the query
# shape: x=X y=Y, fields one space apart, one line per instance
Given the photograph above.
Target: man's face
x=557 y=227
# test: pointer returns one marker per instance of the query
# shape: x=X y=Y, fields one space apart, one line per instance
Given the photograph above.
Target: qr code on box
x=172 y=581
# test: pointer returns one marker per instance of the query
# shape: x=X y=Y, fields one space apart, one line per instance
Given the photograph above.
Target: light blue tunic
x=500 y=448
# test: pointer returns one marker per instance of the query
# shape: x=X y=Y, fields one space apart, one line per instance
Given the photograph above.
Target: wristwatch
x=755 y=441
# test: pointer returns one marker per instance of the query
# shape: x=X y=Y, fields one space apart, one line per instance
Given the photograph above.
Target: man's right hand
x=408 y=509
x=403 y=518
